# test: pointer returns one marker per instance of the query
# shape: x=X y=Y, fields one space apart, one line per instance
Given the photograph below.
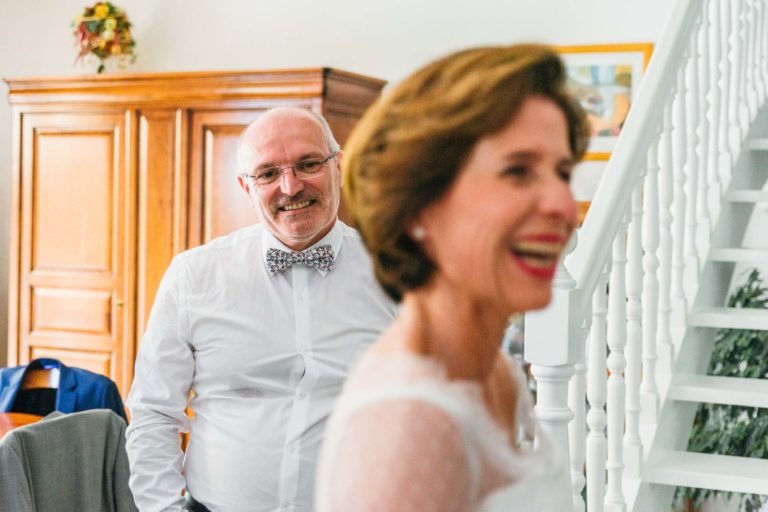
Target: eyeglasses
x=305 y=169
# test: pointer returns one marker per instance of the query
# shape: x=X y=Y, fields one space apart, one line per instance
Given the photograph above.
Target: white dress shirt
x=265 y=357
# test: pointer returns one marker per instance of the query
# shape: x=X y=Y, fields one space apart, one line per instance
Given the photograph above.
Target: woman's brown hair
x=409 y=147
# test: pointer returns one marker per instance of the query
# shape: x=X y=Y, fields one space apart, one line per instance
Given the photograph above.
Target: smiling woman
x=512 y=200
x=459 y=183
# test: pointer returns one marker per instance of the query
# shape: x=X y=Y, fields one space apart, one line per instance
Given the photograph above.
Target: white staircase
x=719 y=390
x=668 y=463
x=643 y=291
x=729 y=318
x=721 y=472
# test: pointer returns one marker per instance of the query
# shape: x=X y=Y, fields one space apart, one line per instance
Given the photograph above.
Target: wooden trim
x=596 y=157
x=25 y=239
x=181 y=181
x=182 y=88
x=127 y=311
x=583 y=209
x=14 y=237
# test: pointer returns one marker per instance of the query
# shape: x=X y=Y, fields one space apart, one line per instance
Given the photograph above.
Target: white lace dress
x=403 y=438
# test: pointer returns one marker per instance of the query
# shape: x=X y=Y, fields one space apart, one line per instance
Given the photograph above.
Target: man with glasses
x=259 y=328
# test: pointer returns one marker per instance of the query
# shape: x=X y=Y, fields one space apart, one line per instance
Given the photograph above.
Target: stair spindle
x=763 y=44
x=649 y=393
x=734 y=57
x=577 y=427
x=760 y=82
x=617 y=338
x=693 y=109
x=596 y=396
x=704 y=207
x=749 y=58
x=715 y=94
x=633 y=446
x=726 y=156
x=664 y=347
x=679 y=153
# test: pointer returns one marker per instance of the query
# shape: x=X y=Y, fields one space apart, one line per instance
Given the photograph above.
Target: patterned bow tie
x=320 y=258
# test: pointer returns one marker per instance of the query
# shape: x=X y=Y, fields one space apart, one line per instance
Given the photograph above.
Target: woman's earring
x=418 y=233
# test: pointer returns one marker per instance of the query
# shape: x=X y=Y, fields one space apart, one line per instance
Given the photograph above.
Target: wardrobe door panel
x=97 y=362
x=72 y=267
x=162 y=181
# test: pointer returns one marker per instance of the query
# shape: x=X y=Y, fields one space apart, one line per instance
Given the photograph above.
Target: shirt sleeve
x=404 y=455
x=158 y=398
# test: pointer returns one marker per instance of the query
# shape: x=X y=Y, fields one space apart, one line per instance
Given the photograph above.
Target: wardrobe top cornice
x=152 y=87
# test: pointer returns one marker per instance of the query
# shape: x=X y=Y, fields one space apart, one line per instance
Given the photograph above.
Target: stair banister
x=554 y=341
x=613 y=194
x=696 y=130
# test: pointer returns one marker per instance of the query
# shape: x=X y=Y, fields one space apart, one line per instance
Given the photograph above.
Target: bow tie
x=320 y=258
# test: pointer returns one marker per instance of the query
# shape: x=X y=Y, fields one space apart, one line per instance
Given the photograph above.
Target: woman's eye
x=519 y=171
x=565 y=174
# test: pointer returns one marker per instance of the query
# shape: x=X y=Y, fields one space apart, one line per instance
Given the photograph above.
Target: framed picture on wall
x=605 y=80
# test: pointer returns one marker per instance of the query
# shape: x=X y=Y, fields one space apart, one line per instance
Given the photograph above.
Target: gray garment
x=66 y=462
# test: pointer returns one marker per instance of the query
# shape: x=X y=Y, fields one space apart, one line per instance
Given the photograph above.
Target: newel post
x=553 y=346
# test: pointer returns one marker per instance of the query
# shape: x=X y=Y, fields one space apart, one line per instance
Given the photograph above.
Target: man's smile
x=296 y=206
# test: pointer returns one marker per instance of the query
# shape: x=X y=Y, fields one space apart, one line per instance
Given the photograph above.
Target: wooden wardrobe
x=113 y=175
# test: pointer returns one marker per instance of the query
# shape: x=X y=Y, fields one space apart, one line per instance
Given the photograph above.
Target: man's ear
x=246 y=186
x=243 y=184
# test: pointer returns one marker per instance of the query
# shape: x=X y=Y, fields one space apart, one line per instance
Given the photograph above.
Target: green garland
x=729 y=429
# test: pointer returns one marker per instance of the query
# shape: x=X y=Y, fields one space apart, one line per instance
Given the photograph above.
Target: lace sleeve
x=400 y=455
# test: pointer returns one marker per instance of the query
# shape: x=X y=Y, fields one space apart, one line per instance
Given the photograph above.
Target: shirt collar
x=334 y=238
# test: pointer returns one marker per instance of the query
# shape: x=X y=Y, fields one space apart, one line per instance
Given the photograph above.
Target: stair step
x=720 y=390
x=707 y=471
x=730 y=318
x=738 y=254
x=757 y=144
x=747 y=196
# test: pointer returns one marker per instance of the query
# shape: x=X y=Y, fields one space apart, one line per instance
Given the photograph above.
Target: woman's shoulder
x=397 y=374
x=394 y=386
x=384 y=367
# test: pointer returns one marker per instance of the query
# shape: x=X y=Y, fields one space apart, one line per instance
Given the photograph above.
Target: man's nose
x=290 y=185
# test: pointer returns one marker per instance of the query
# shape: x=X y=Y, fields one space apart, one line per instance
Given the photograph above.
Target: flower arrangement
x=104 y=31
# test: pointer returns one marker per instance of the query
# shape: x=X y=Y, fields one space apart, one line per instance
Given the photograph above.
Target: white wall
x=386 y=39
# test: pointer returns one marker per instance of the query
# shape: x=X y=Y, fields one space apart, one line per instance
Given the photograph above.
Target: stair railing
x=644 y=239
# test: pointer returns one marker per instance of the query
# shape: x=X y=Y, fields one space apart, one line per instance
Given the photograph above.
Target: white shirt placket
x=297 y=419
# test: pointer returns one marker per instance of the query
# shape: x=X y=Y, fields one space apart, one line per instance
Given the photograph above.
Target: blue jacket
x=79 y=390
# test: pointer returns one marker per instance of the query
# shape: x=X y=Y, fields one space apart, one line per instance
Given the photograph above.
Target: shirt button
x=286 y=505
